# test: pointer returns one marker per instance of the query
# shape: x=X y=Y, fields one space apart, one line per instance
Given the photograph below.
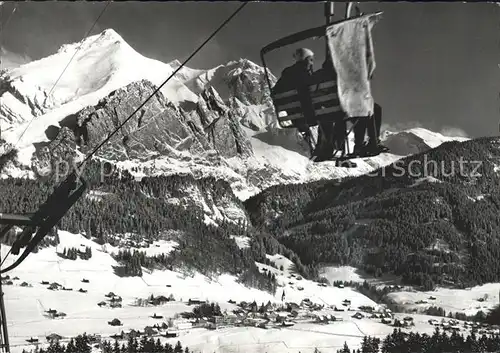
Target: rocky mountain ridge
x=218 y=122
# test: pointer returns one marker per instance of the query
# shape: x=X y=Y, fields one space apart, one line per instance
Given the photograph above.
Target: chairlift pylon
x=288 y=107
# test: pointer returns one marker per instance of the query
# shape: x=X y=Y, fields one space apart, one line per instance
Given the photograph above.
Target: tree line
x=74 y=253
x=124 y=205
x=82 y=344
x=429 y=234
x=438 y=342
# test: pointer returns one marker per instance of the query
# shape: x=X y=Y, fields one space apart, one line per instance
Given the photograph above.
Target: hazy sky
x=437 y=63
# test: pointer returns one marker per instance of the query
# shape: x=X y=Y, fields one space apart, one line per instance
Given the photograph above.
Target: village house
x=408 y=320
x=52 y=313
x=115 y=322
x=224 y=321
x=118 y=336
x=150 y=331
x=94 y=338
x=386 y=321
x=321 y=319
x=54 y=286
x=116 y=299
x=358 y=316
x=182 y=324
x=158 y=300
x=196 y=301
x=292 y=306
x=171 y=333
x=53 y=338
x=367 y=309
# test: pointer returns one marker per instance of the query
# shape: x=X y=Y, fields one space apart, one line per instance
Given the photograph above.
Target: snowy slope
x=27 y=306
x=415 y=140
x=101 y=64
x=240 y=78
x=104 y=63
x=468 y=301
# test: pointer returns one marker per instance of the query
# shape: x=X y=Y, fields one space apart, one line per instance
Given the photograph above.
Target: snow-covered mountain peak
x=105 y=38
x=245 y=64
x=174 y=64
x=415 y=140
x=227 y=109
x=95 y=67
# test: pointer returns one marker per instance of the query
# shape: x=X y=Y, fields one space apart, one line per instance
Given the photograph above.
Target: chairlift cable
x=164 y=82
x=8 y=18
x=86 y=35
x=36 y=239
x=67 y=65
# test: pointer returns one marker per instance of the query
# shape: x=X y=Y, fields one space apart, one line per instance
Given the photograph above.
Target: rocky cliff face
x=248 y=83
x=158 y=129
x=216 y=123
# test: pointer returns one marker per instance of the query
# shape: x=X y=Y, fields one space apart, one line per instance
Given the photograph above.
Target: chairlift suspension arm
x=60 y=201
x=47 y=226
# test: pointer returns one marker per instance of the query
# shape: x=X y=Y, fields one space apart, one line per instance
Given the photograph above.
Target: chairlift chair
x=323 y=94
x=44 y=219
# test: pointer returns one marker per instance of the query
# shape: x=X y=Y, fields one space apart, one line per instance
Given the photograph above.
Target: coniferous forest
x=82 y=344
x=429 y=233
x=127 y=206
x=438 y=342
x=439 y=225
x=396 y=342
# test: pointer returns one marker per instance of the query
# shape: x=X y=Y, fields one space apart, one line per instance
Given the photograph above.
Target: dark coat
x=299 y=78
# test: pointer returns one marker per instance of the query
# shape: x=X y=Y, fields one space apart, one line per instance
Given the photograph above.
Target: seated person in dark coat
x=298 y=77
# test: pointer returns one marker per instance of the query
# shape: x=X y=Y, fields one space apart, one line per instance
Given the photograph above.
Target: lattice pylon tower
x=4 y=336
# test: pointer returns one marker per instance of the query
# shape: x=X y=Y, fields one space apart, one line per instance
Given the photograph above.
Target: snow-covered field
x=341 y=273
x=27 y=306
x=104 y=63
x=468 y=301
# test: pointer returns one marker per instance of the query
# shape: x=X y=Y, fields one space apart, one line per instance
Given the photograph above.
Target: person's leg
x=339 y=132
x=324 y=146
x=305 y=132
x=319 y=143
x=378 y=120
x=359 y=135
x=328 y=139
x=372 y=132
x=374 y=144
